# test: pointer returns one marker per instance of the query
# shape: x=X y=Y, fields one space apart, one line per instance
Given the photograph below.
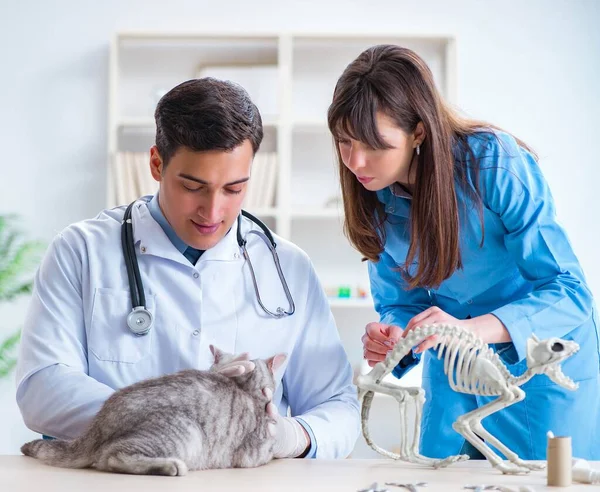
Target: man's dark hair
x=206 y=114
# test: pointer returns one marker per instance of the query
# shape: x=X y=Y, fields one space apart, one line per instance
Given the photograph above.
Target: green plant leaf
x=18 y=259
x=21 y=264
x=8 y=358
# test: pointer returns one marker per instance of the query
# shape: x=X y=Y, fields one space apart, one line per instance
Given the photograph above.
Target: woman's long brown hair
x=397 y=82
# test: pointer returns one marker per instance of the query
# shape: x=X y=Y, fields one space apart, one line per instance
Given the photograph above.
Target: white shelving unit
x=144 y=65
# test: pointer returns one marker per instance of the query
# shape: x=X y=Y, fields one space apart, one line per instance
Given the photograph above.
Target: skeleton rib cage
x=463 y=354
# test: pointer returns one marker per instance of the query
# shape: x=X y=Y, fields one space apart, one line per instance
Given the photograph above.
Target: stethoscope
x=140 y=319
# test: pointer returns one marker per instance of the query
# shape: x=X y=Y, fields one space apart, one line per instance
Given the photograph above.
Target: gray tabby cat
x=191 y=420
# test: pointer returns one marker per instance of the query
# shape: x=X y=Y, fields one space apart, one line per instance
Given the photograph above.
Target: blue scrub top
x=528 y=276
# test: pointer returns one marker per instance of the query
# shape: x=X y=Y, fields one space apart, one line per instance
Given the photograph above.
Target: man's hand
x=291 y=439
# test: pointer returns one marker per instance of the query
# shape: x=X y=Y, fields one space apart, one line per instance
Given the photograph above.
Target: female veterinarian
x=459 y=226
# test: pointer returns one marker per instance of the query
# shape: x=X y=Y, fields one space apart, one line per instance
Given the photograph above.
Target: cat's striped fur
x=190 y=420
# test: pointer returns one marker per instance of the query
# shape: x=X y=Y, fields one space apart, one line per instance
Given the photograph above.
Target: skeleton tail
x=367 y=399
x=64 y=454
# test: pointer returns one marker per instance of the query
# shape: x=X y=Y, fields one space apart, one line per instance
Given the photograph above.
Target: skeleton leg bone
x=419 y=400
x=404 y=451
x=465 y=423
x=478 y=428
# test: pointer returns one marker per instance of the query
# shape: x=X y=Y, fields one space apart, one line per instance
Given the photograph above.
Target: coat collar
x=150 y=238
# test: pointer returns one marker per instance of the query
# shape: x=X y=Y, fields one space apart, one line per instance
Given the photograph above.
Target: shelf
x=311 y=126
x=271 y=122
x=137 y=50
x=317 y=213
x=148 y=124
x=325 y=38
x=339 y=302
x=263 y=212
x=143 y=124
x=141 y=35
x=324 y=213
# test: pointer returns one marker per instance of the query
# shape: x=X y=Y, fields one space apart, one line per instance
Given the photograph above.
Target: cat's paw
x=176 y=468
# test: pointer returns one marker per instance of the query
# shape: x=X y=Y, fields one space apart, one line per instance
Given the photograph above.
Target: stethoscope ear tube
x=259 y=223
x=125 y=239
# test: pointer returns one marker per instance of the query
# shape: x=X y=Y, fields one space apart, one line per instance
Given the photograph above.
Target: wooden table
x=18 y=474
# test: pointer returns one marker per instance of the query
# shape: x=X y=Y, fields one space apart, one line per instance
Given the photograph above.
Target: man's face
x=201 y=193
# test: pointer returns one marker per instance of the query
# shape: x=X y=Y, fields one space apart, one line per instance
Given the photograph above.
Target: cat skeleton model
x=473 y=368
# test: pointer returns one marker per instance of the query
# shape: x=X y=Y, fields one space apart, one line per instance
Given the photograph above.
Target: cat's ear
x=217 y=354
x=275 y=362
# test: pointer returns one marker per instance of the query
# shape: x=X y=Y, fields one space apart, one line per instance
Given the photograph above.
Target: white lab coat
x=76 y=348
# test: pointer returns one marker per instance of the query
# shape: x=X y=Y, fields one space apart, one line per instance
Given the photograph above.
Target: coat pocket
x=109 y=337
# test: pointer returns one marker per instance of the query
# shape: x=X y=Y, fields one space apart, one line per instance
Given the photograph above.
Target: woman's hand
x=487 y=327
x=428 y=317
x=378 y=340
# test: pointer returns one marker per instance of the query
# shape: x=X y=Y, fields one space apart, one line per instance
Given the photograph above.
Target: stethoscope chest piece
x=139 y=320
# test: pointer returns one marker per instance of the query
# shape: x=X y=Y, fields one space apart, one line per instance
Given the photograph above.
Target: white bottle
x=583 y=473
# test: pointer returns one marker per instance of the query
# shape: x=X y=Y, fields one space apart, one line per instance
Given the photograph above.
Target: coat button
x=196 y=333
x=470 y=301
x=143 y=249
x=196 y=275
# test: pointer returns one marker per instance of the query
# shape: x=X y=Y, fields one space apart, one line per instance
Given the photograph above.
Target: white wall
x=530 y=66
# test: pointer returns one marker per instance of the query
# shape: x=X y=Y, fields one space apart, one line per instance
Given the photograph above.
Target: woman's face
x=377 y=169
